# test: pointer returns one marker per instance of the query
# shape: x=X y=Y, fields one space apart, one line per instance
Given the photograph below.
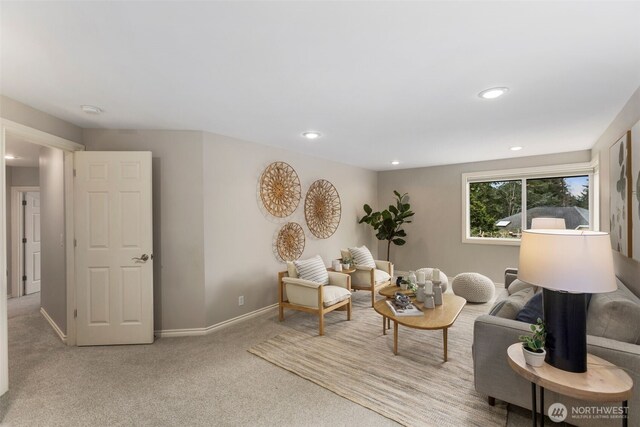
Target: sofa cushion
x=291 y=270
x=363 y=277
x=532 y=310
x=610 y=316
x=334 y=294
x=514 y=303
x=362 y=257
x=517 y=285
x=313 y=269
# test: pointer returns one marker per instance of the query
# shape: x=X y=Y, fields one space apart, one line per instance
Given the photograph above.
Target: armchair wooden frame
x=320 y=310
x=373 y=287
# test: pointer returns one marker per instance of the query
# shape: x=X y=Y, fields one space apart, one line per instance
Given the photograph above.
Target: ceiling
x=382 y=81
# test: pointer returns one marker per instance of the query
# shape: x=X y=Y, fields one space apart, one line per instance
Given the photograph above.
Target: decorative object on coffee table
x=437 y=293
x=428 y=273
x=473 y=287
x=280 y=189
x=322 y=209
x=290 y=241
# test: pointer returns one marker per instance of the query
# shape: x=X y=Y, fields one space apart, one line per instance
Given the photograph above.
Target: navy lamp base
x=565 y=318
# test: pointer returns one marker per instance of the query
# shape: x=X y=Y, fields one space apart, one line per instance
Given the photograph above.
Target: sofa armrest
x=363 y=268
x=301 y=282
x=510 y=274
x=384 y=266
x=340 y=279
x=493 y=376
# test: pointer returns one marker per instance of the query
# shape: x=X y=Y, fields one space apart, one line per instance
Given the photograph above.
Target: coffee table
x=441 y=317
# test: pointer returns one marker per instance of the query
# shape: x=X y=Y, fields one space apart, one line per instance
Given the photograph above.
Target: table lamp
x=548 y=223
x=567 y=264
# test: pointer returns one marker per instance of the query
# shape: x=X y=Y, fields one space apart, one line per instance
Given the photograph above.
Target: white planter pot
x=532 y=358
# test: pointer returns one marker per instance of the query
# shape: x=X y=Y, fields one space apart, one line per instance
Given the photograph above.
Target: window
x=499 y=205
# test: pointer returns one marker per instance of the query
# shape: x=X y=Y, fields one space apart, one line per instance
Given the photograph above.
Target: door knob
x=143 y=258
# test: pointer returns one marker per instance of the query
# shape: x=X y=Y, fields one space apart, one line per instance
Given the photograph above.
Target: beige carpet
x=355 y=360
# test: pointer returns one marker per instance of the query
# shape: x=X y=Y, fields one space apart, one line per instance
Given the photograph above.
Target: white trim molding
x=39 y=137
x=53 y=324
x=193 y=332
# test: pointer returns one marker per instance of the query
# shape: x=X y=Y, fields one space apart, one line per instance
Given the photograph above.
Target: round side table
x=603 y=381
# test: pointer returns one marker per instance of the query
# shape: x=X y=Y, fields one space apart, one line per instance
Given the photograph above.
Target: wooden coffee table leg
x=395 y=337
x=384 y=325
x=444 y=340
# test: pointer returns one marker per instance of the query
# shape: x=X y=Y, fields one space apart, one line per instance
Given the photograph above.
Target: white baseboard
x=168 y=333
x=53 y=324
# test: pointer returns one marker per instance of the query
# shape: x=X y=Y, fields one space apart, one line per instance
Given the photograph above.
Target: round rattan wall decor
x=322 y=209
x=280 y=189
x=290 y=242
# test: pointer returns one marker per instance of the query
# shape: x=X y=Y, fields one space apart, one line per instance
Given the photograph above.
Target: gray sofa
x=495 y=379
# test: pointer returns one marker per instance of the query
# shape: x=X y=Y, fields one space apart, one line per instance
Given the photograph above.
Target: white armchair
x=369 y=278
x=312 y=297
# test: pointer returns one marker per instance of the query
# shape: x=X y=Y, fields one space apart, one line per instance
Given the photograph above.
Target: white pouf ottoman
x=473 y=287
x=428 y=275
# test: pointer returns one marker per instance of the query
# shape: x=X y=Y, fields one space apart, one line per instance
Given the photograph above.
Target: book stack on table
x=409 y=310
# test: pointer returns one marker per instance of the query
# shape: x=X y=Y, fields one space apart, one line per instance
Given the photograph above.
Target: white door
x=31 y=242
x=114 y=263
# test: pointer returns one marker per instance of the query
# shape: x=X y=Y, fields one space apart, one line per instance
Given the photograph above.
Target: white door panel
x=113 y=232
x=32 y=244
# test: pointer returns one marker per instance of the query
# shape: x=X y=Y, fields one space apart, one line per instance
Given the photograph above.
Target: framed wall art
x=635 y=191
x=620 y=195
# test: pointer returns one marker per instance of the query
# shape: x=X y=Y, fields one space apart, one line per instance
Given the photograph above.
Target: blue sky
x=576 y=184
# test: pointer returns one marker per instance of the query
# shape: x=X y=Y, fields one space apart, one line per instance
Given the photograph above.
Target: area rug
x=356 y=361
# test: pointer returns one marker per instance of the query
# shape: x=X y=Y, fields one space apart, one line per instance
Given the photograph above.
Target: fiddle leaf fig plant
x=536 y=342
x=388 y=223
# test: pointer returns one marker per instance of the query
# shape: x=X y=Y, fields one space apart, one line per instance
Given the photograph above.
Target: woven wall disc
x=322 y=209
x=280 y=189
x=290 y=243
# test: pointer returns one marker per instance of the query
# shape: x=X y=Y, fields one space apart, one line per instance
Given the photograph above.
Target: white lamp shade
x=548 y=223
x=567 y=260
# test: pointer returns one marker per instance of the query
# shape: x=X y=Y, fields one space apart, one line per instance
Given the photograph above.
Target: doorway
x=63 y=150
x=24 y=243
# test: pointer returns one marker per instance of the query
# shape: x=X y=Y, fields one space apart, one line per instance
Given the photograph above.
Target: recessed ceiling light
x=395 y=163
x=10 y=157
x=91 y=109
x=493 y=92
x=311 y=134
x=516 y=148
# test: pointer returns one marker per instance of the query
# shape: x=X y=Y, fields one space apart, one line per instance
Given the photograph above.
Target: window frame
x=556 y=171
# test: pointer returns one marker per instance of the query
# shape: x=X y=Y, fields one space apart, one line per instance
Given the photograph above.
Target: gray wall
x=212 y=243
x=435 y=236
x=178 y=243
x=53 y=294
x=239 y=257
x=626 y=268
x=16 y=177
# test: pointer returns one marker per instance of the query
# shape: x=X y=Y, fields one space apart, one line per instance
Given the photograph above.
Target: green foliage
x=535 y=342
x=388 y=223
x=491 y=201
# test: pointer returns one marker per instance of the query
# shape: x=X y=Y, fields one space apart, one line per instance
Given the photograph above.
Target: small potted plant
x=533 y=346
x=346 y=263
